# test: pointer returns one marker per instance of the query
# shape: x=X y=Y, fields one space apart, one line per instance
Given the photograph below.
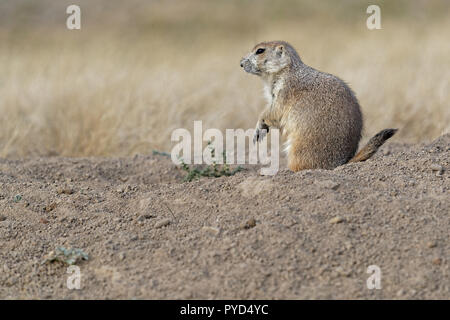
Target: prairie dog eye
x=260 y=50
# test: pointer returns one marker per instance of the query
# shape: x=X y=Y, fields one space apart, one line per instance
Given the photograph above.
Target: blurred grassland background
x=137 y=70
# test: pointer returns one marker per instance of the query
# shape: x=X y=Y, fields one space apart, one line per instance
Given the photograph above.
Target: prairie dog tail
x=372 y=146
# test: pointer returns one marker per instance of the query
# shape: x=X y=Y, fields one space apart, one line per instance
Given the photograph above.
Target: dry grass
x=133 y=74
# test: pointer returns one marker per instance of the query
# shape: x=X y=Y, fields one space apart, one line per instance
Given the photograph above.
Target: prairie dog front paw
x=260 y=132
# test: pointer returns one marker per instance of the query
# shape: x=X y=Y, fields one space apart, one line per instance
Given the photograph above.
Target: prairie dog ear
x=279 y=50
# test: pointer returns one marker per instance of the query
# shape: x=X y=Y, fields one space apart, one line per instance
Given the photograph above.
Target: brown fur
x=317 y=113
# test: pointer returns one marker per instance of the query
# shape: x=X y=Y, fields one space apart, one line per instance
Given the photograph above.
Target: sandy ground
x=310 y=234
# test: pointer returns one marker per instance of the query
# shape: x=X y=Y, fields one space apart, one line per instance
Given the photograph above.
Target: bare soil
x=304 y=235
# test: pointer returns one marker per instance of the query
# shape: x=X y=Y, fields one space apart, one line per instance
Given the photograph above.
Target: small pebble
x=65 y=191
x=436 y=167
x=211 y=230
x=431 y=244
x=336 y=220
x=162 y=223
x=249 y=224
x=437 y=261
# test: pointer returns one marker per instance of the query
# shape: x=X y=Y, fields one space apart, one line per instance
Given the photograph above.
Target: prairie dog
x=316 y=112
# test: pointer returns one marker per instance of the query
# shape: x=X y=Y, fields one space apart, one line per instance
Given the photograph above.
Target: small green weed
x=213 y=170
x=66 y=256
x=161 y=153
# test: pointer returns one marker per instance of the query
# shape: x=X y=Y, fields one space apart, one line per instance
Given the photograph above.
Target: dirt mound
x=310 y=234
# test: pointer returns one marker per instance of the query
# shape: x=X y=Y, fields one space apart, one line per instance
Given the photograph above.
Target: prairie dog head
x=268 y=58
